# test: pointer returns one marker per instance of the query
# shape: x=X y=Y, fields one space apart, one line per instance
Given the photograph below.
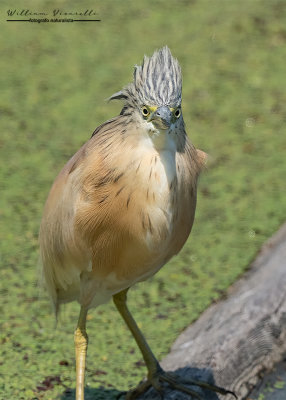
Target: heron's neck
x=162 y=139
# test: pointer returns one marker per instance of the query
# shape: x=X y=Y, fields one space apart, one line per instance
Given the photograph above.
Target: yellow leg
x=149 y=358
x=80 y=341
x=156 y=375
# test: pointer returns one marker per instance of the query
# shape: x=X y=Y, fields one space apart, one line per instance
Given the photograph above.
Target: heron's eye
x=177 y=113
x=145 y=111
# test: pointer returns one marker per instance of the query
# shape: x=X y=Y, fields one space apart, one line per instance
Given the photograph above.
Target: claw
x=177 y=383
x=208 y=386
x=179 y=387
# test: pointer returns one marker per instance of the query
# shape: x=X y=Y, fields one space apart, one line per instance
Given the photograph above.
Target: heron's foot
x=160 y=378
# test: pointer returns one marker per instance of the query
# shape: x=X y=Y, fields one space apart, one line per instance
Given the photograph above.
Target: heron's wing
x=64 y=253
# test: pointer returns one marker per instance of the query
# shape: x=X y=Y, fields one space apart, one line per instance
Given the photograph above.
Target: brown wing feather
x=63 y=253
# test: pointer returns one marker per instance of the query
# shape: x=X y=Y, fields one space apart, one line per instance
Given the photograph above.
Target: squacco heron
x=122 y=206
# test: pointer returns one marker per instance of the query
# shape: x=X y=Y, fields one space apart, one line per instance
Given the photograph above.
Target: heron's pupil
x=177 y=113
x=145 y=111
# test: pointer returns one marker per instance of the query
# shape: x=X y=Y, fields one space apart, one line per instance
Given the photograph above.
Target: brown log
x=242 y=336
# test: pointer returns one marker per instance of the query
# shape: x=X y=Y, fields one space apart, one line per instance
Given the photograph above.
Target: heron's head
x=155 y=95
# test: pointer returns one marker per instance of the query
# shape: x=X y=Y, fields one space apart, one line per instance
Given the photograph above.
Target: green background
x=53 y=84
